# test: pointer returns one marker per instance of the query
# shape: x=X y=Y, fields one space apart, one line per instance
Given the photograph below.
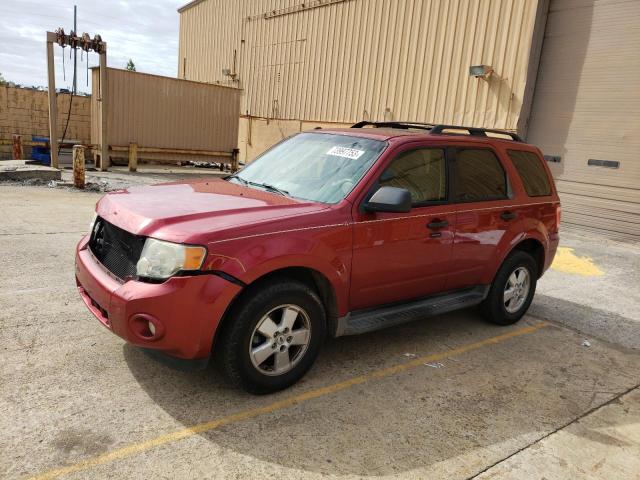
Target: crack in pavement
x=38 y=233
x=38 y=289
x=556 y=430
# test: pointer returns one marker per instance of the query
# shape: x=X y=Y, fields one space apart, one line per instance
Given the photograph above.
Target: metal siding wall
x=586 y=105
x=164 y=112
x=375 y=59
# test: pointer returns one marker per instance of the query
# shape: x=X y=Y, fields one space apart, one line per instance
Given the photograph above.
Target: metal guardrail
x=132 y=150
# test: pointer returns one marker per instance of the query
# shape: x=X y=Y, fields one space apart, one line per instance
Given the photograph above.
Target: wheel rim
x=516 y=290
x=280 y=340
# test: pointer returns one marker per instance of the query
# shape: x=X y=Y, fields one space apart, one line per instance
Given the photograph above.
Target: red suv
x=338 y=232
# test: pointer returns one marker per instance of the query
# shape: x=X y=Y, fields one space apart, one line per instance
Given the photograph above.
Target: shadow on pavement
x=471 y=411
x=590 y=321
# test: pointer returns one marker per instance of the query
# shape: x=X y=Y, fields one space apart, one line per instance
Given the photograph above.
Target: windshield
x=321 y=167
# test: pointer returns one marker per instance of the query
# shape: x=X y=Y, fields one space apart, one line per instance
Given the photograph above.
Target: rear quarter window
x=534 y=176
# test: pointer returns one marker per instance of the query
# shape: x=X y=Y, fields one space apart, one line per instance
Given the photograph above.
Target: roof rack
x=440 y=129
x=477 y=131
x=403 y=125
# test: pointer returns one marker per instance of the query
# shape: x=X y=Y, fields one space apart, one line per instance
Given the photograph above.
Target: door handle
x=436 y=224
x=508 y=215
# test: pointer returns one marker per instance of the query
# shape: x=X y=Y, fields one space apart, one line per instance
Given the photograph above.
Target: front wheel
x=512 y=290
x=274 y=336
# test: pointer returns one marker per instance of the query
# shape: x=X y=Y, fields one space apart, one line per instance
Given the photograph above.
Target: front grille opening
x=104 y=315
x=102 y=311
x=115 y=248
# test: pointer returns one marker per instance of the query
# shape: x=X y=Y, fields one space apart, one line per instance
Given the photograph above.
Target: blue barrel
x=41 y=154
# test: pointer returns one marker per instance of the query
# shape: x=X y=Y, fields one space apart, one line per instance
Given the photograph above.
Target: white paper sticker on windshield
x=345 y=152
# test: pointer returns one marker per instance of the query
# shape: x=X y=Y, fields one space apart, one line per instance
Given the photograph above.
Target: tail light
x=558 y=216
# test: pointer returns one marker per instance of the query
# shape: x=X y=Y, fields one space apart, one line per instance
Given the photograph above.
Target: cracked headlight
x=160 y=259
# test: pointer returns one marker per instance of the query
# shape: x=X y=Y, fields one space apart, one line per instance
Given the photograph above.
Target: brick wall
x=26 y=112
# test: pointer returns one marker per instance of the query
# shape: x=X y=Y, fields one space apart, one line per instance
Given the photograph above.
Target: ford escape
x=331 y=232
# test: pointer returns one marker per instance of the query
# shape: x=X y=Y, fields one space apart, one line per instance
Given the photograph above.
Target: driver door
x=405 y=256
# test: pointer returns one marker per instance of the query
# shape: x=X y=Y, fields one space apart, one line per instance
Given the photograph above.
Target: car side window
x=421 y=171
x=534 y=176
x=478 y=175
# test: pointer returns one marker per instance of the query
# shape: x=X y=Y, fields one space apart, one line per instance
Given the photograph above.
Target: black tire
x=493 y=307
x=232 y=349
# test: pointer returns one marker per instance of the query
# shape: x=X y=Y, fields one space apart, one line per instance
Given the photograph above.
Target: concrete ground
x=555 y=396
x=19 y=170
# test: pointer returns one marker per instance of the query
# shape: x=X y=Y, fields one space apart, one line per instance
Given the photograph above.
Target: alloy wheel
x=516 y=290
x=280 y=340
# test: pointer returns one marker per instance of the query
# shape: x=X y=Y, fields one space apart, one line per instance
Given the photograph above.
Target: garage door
x=586 y=112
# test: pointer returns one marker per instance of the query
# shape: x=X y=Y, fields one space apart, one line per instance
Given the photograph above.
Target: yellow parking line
x=140 y=447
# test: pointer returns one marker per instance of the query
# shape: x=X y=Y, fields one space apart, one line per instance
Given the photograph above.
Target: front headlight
x=161 y=259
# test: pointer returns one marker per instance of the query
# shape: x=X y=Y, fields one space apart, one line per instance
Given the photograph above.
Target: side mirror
x=389 y=199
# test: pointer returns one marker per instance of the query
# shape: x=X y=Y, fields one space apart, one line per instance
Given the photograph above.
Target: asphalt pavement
x=554 y=396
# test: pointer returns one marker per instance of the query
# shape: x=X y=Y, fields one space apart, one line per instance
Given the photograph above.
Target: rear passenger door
x=481 y=194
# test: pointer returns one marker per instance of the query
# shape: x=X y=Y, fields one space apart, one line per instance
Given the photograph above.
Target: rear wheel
x=512 y=290
x=273 y=337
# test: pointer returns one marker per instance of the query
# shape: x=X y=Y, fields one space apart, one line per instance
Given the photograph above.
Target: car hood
x=177 y=211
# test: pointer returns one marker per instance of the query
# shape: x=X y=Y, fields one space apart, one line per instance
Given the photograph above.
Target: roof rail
x=394 y=124
x=476 y=131
x=434 y=129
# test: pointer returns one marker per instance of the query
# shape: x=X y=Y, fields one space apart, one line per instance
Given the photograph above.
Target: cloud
x=143 y=30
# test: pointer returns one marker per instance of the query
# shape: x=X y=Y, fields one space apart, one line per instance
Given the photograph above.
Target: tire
x=506 y=312
x=249 y=328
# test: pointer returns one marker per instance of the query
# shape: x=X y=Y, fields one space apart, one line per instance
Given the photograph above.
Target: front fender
x=248 y=259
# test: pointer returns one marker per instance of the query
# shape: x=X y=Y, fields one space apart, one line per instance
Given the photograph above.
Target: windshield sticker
x=351 y=153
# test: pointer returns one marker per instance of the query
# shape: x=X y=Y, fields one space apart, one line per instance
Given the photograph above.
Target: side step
x=363 y=321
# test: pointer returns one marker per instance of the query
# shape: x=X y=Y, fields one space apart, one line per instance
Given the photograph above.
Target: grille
x=117 y=249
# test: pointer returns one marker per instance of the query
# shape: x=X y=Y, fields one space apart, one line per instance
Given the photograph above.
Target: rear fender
x=509 y=243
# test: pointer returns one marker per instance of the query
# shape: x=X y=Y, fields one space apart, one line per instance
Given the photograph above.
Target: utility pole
x=75 y=51
x=53 y=106
x=86 y=43
x=104 y=144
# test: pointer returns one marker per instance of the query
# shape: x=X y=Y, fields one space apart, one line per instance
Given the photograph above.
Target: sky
x=143 y=30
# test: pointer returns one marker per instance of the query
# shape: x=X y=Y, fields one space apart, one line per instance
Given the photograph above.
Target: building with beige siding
x=564 y=73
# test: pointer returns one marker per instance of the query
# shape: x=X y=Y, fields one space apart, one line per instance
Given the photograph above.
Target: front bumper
x=185 y=311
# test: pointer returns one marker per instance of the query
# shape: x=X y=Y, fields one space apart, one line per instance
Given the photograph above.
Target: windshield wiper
x=266 y=186
x=271 y=188
x=236 y=177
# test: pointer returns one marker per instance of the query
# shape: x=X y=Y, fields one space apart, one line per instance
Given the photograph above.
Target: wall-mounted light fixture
x=227 y=72
x=231 y=72
x=480 y=71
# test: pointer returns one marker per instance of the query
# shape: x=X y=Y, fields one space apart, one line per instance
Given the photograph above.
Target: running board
x=363 y=321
